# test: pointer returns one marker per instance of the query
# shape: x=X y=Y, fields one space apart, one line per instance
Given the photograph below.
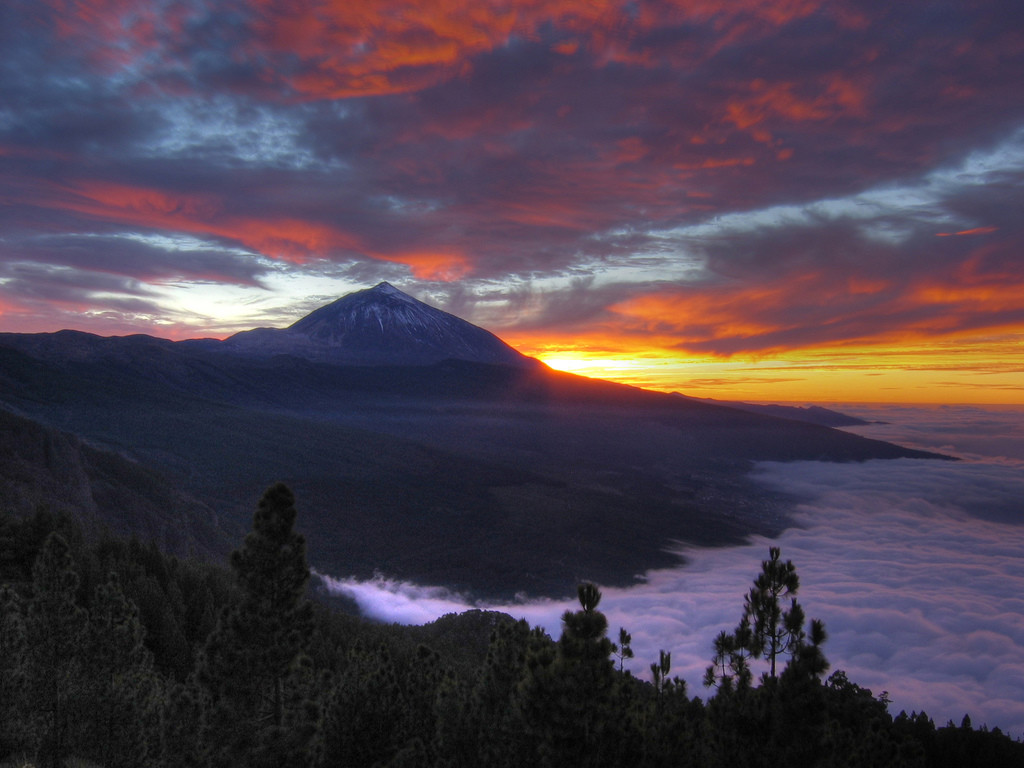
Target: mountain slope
x=43 y=468
x=813 y=414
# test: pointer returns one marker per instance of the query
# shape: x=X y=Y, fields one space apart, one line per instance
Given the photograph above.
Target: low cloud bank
x=915 y=566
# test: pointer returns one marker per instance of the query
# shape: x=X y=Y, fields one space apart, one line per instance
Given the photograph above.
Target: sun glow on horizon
x=594 y=367
x=992 y=375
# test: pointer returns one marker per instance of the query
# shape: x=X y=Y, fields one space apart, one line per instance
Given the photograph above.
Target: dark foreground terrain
x=115 y=654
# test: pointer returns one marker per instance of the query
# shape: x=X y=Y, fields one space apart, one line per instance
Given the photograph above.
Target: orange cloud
x=975 y=231
x=374 y=48
x=347 y=49
x=289 y=239
x=601 y=352
x=114 y=34
x=766 y=101
x=732 y=20
x=688 y=320
x=8 y=307
x=567 y=47
x=70 y=16
x=990 y=297
x=284 y=238
x=140 y=204
x=976 y=287
x=712 y=163
x=845 y=339
x=819 y=310
x=547 y=212
x=431 y=265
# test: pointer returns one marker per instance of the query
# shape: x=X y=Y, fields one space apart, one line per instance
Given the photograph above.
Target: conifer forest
x=115 y=654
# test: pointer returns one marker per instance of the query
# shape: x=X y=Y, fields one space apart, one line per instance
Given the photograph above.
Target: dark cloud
x=139 y=257
x=40 y=283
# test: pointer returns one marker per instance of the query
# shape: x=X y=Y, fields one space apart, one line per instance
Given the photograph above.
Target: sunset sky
x=739 y=199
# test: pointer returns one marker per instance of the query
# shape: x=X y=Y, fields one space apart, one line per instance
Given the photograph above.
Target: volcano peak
x=381 y=325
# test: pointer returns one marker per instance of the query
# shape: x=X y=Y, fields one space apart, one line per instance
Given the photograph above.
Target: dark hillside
x=43 y=468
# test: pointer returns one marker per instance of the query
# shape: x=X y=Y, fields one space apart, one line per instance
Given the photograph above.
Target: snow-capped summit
x=381 y=306
x=379 y=326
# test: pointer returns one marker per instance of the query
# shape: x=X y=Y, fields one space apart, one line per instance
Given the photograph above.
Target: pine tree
x=623 y=649
x=784 y=717
x=659 y=674
x=730 y=666
x=123 y=693
x=496 y=728
x=54 y=637
x=12 y=671
x=246 y=666
x=567 y=700
x=768 y=630
x=776 y=631
x=667 y=720
x=180 y=739
x=367 y=712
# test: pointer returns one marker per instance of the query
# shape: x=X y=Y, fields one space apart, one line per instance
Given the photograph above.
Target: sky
x=913 y=565
x=743 y=199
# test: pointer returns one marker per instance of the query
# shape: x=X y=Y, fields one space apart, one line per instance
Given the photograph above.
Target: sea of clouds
x=915 y=566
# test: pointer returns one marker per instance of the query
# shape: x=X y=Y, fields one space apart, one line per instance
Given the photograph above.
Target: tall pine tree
x=250 y=666
x=567 y=700
x=768 y=629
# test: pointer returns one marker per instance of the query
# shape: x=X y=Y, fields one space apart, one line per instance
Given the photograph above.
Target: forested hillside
x=116 y=654
x=104 y=490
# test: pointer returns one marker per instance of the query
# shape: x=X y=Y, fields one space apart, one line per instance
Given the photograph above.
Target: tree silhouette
x=775 y=630
x=623 y=649
x=768 y=629
x=567 y=697
x=247 y=663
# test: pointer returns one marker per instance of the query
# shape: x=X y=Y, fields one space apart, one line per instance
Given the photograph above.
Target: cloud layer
x=914 y=566
x=710 y=179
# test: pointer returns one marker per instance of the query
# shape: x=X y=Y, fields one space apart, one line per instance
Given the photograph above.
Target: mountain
x=487 y=477
x=379 y=326
x=813 y=414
